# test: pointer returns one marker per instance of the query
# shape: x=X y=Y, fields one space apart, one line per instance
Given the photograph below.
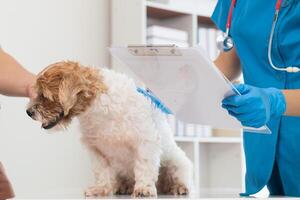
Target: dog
x=130 y=141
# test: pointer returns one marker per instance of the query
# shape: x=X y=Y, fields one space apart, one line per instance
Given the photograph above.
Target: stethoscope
x=225 y=42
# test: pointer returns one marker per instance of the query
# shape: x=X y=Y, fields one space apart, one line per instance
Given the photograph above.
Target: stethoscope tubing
x=226 y=46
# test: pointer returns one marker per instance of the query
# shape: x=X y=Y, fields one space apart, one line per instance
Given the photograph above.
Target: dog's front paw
x=145 y=191
x=98 y=191
x=179 y=189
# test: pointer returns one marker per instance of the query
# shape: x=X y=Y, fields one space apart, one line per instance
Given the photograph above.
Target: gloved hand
x=255 y=106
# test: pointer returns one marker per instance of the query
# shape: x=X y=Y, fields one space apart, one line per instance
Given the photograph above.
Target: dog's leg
x=104 y=176
x=175 y=176
x=146 y=169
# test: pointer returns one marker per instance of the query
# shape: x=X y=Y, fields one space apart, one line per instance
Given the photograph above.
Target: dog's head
x=64 y=90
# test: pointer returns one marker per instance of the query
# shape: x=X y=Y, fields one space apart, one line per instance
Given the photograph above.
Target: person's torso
x=251 y=27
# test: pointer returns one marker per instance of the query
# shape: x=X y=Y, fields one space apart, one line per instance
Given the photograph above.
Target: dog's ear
x=78 y=88
x=44 y=88
x=69 y=90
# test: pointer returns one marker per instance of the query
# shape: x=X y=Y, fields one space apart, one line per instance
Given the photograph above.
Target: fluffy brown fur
x=64 y=90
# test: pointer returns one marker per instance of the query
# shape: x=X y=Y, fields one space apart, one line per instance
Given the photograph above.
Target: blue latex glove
x=255 y=106
x=158 y=104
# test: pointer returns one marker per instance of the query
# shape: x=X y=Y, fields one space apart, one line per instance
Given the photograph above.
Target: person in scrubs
x=269 y=96
x=14 y=81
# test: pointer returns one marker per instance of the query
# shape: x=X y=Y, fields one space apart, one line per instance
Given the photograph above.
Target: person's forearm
x=292 y=98
x=229 y=64
x=14 y=79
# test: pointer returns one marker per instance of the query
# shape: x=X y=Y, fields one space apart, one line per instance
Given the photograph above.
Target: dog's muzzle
x=54 y=122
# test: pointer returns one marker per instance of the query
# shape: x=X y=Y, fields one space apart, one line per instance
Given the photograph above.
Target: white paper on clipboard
x=186 y=81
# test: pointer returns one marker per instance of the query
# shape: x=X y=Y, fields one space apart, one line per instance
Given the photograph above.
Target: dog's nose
x=29 y=112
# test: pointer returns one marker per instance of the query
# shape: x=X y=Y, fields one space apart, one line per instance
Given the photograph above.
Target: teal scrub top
x=251 y=27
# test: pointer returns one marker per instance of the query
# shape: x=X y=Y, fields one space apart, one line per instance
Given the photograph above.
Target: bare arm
x=229 y=64
x=292 y=98
x=14 y=79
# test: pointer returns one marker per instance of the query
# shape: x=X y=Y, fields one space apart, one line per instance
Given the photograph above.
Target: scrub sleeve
x=220 y=14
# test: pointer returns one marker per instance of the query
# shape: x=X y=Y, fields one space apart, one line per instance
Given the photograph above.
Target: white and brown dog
x=131 y=142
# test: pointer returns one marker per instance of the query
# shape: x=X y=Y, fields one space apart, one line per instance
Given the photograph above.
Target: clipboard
x=186 y=81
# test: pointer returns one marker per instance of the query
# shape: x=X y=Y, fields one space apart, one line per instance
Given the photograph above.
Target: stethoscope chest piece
x=224 y=43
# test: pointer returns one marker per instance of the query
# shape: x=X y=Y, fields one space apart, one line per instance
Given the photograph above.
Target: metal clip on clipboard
x=154 y=50
x=186 y=81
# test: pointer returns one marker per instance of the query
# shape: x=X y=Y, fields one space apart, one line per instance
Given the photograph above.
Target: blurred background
x=40 y=32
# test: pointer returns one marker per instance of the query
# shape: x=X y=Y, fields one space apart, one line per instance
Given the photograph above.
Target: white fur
x=128 y=137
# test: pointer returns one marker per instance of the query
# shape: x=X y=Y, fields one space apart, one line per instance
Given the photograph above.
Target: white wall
x=37 y=33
